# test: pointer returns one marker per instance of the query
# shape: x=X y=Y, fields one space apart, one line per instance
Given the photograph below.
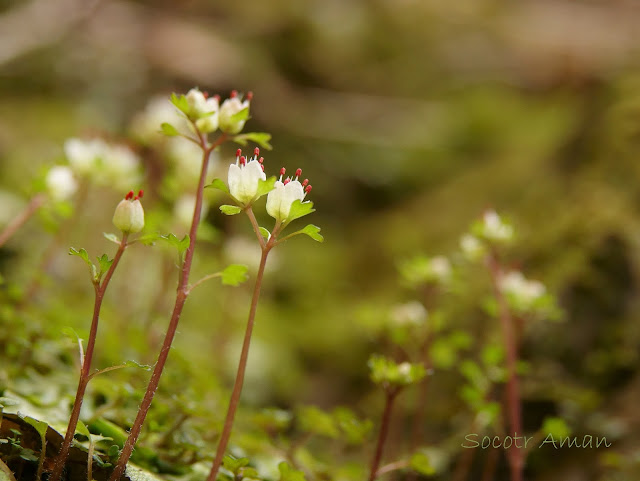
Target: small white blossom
x=61 y=184
x=204 y=109
x=494 y=229
x=244 y=177
x=84 y=155
x=230 y=107
x=284 y=194
x=145 y=126
x=521 y=290
x=412 y=313
x=471 y=247
x=129 y=214
x=404 y=369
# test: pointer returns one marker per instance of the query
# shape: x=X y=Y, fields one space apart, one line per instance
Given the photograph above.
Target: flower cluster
x=103 y=163
x=426 y=270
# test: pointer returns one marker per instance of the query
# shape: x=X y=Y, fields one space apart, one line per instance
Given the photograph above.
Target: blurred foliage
x=410 y=119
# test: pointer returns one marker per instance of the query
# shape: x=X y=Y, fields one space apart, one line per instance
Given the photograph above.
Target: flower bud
x=129 y=214
x=61 y=184
x=204 y=110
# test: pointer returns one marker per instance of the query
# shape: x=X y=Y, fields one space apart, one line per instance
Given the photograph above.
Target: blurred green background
x=409 y=118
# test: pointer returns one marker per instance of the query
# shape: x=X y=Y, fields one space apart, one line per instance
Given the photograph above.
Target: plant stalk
x=85 y=370
x=181 y=297
x=18 y=221
x=384 y=430
x=244 y=355
x=514 y=454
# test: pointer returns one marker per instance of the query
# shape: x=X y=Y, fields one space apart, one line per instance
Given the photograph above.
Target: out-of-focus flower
x=145 y=126
x=422 y=269
x=409 y=314
x=471 y=247
x=104 y=164
x=493 y=228
x=522 y=293
x=129 y=214
x=61 y=183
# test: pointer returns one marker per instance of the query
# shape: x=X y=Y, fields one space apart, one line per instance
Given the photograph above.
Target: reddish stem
x=244 y=355
x=384 y=430
x=181 y=297
x=18 y=221
x=514 y=454
x=85 y=371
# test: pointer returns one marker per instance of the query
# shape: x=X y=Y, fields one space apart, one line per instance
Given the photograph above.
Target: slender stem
x=18 y=221
x=256 y=227
x=514 y=454
x=389 y=468
x=204 y=279
x=242 y=364
x=85 y=370
x=384 y=430
x=181 y=298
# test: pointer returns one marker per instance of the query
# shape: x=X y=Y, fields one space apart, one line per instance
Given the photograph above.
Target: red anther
x=136 y=198
x=305 y=182
x=129 y=196
x=286 y=181
x=205 y=95
x=217 y=97
x=140 y=193
x=298 y=172
x=256 y=151
x=261 y=159
x=238 y=152
x=234 y=93
x=262 y=167
x=243 y=160
x=283 y=171
x=249 y=96
x=307 y=189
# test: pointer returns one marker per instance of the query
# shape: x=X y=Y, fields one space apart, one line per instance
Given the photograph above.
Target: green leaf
x=239 y=116
x=169 y=130
x=83 y=429
x=265 y=233
x=105 y=263
x=420 y=463
x=287 y=473
x=180 y=101
x=260 y=138
x=233 y=464
x=314 y=420
x=181 y=244
x=313 y=231
x=218 y=184
x=230 y=209
x=234 y=275
x=266 y=186
x=149 y=239
x=136 y=364
x=112 y=237
x=300 y=209
x=82 y=253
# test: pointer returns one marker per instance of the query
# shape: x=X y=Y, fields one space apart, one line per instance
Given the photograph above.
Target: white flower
x=441 y=268
x=284 y=194
x=244 y=177
x=60 y=182
x=204 y=109
x=129 y=214
x=471 y=247
x=84 y=155
x=410 y=314
x=494 y=229
x=228 y=109
x=523 y=291
x=145 y=126
x=404 y=370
